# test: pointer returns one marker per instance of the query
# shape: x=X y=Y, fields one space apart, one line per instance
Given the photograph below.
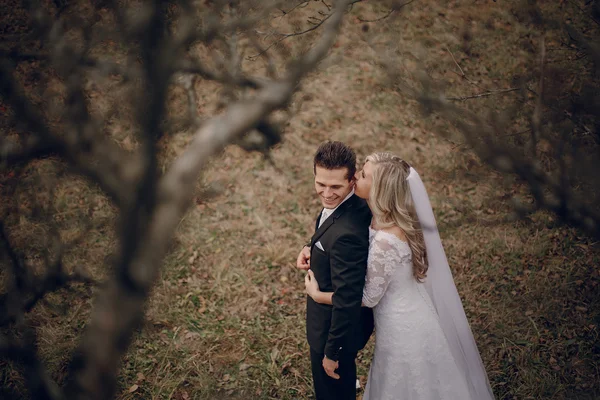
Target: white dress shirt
x=326 y=213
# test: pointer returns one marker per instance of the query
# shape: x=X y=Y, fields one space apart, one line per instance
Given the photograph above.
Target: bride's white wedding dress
x=412 y=359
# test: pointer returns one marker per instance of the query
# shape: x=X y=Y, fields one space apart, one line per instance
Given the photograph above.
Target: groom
x=337 y=255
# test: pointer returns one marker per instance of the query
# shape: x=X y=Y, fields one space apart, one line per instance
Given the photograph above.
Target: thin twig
x=301 y=4
x=194 y=67
x=288 y=35
x=462 y=73
x=187 y=82
x=380 y=18
x=516 y=133
x=486 y=94
x=456 y=62
x=392 y=10
x=459 y=145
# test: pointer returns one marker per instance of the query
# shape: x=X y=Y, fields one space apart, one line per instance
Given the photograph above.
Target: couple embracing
x=376 y=261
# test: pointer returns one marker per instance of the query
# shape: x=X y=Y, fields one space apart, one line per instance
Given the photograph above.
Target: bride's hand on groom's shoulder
x=303 y=261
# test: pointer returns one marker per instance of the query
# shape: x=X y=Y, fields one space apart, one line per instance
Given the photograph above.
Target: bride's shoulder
x=389 y=240
x=396 y=231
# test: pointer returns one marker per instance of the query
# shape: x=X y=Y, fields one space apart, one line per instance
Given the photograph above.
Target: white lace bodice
x=390 y=270
x=412 y=359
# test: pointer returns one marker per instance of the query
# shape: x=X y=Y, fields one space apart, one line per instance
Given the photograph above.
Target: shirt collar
x=329 y=211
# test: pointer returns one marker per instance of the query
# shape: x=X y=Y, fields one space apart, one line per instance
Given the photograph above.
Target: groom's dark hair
x=335 y=155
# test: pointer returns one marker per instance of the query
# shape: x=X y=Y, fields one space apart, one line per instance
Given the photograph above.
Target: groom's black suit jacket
x=340 y=267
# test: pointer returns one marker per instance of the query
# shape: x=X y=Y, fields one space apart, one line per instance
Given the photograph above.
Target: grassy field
x=226 y=319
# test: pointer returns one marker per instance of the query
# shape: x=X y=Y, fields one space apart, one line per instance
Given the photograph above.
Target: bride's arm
x=312 y=289
x=382 y=257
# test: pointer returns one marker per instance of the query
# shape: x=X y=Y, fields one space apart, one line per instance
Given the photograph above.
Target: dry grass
x=226 y=319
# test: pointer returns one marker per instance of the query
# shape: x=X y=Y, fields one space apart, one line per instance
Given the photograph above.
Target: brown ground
x=227 y=318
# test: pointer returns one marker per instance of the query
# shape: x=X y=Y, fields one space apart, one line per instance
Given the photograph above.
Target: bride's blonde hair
x=391 y=202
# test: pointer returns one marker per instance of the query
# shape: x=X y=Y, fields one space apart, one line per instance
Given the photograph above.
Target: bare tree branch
x=108 y=177
x=13 y=154
x=584 y=12
x=16 y=261
x=120 y=308
x=537 y=113
x=546 y=190
x=39 y=383
x=29 y=289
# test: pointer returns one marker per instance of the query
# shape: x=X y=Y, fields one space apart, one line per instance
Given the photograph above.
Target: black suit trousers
x=327 y=388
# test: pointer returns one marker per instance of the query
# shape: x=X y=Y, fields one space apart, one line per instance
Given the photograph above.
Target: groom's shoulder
x=359 y=212
x=362 y=208
x=360 y=203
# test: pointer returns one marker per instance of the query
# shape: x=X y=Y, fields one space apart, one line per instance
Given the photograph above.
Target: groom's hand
x=330 y=366
x=303 y=261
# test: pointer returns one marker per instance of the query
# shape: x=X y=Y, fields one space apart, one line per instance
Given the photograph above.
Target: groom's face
x=332 y=185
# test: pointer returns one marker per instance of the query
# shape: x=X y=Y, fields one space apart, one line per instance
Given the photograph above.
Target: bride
x=424 y=348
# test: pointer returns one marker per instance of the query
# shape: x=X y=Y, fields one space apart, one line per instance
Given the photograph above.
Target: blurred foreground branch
x=556 y=160
x=149 y=203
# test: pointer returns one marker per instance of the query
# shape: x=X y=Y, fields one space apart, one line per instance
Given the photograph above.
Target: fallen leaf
x=274 y=354
x=244 y=366
x=133 y=388
x=190 y=335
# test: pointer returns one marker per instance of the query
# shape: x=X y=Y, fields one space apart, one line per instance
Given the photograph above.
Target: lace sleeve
x=383 y=258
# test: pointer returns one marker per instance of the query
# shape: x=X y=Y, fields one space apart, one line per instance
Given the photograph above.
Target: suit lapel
x=345 y=206
x=318 y=219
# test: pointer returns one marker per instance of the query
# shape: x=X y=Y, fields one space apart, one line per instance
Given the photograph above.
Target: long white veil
x=442 y=290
